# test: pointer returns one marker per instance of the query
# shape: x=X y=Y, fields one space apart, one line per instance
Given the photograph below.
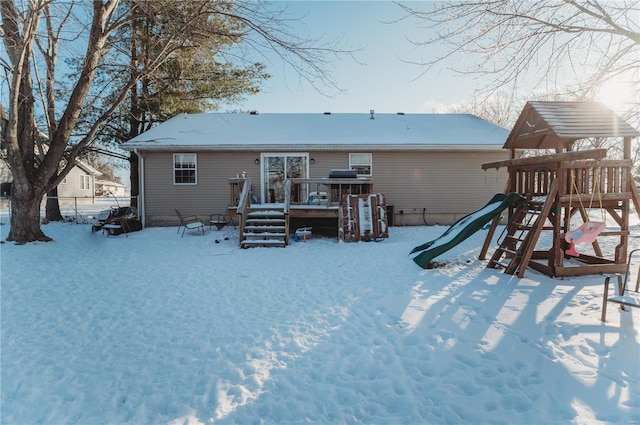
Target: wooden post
x=627 y=148
x=494 y=225
x=634 y=193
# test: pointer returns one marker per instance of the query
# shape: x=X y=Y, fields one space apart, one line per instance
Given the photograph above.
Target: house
x=77 y=186
x=110 y=188
x=428 y=166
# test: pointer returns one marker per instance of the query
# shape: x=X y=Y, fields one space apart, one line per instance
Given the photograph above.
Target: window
x=276 y=169
x=85 y=182
x=361 y=162
x=184 y=168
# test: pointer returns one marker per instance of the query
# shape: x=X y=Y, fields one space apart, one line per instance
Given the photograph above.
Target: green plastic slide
x=464 y=228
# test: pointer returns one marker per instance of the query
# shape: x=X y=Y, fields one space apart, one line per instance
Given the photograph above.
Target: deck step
x=266 y=213
x=264 y=235
x=262 y=242
x=272 y=221
x=265 y=227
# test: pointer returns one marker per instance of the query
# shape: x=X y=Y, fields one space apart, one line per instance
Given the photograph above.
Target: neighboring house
x=428 y=166
x=109 y=188
x=5 y=179
x=77 y=186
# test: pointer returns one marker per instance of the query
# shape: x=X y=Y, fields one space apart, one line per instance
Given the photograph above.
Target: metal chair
x=222 y=220
x=623 y=297
x=190 y=222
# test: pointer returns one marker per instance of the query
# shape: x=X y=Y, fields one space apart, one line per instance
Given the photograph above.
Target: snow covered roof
x=87 y=168
x=555 y=125
x=110 y=183
x=231 y=131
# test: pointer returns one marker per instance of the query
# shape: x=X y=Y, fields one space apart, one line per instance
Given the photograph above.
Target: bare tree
x=552 y=49
x=496 y=108
x=33 y=34
x=569 y=45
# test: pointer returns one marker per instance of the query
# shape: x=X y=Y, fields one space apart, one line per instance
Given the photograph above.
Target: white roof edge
x=314 y=148
x=110 y=183
x=86 y=167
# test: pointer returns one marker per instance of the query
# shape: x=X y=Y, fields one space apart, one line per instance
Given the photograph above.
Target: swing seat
x=588 y=232
x=572 y=251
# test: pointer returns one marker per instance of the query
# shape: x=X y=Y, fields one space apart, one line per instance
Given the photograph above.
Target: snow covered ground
x=158 y=329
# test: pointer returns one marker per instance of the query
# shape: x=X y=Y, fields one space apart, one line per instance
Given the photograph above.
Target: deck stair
x=518 y=240
x=265 y=226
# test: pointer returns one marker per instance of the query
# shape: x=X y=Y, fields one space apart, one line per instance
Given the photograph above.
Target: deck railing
x=326 y=192
x=287 y=204
x=605 y=179
x=243 y=207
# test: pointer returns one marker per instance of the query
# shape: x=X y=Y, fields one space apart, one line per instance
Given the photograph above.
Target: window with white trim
x=185 y=168
x=362 y=163
x=85 y=182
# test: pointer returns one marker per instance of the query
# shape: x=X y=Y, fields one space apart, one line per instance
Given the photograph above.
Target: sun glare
x=615 y=94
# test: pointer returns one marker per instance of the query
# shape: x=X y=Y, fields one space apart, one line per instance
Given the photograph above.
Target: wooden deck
x=323 y=197
x=314 y=202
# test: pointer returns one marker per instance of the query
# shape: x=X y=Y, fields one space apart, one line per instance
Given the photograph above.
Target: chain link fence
x=73 y=209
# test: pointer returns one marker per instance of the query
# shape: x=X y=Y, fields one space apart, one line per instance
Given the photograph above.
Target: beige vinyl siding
x=447 y=184
x=431 y=186
x=209 y=196
x=69 y=192
x=324 y=162
x=5 y=173
x=443 y=185
x=442 y=182
x=73 y=188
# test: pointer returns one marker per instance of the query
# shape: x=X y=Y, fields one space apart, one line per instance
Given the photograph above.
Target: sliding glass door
x=276 y=168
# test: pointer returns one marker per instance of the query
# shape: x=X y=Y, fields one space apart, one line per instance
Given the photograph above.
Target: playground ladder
x=518 y=240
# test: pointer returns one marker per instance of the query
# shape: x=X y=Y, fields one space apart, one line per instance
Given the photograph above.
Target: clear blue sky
x=381 y=80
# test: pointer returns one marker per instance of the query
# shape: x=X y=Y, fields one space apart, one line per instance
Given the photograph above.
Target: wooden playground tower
x=561 y=185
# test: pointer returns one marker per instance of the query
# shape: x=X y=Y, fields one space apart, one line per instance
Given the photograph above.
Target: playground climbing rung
x=522 y=232
x=516 y=237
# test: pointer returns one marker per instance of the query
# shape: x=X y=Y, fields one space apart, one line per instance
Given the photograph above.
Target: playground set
x=552 y=197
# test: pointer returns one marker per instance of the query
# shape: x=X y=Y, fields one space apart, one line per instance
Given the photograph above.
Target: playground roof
x=556 y=125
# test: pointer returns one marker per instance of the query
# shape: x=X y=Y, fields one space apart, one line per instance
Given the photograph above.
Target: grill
x=342 y=174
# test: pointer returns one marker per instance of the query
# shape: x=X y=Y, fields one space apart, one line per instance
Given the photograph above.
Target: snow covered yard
x=155 y=328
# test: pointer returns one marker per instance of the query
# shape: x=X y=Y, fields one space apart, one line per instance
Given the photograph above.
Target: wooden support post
x=494 y=225
x=534 y=234
x=634 y=193
x=487 y=240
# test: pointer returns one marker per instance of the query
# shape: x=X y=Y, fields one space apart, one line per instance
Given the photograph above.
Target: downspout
x=141 y=203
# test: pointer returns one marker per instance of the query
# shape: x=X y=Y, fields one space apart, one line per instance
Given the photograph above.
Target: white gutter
x=141 y=201
x=323 y=148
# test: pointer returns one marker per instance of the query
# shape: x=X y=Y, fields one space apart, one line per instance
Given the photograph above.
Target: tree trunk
x=135 y=180
x=25 y=215
x=53 y=206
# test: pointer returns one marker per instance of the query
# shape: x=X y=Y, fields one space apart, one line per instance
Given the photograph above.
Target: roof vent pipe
x=372 y=112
